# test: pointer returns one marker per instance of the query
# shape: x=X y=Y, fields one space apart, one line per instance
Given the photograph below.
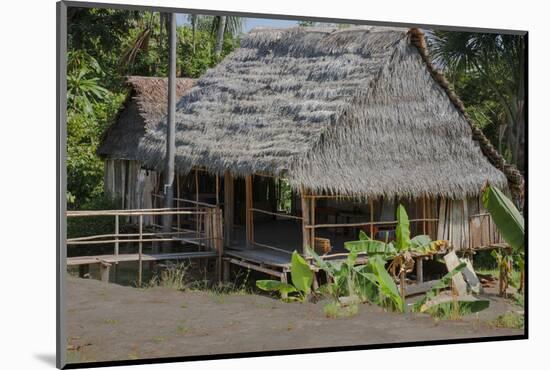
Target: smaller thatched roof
x=145 y=107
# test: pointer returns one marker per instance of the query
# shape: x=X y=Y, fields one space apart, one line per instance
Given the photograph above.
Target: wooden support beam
x=140 y=251
x=249 y=204
x=217 y=190
x=419 y=269
x=197 y=222
x=419 y=288
x=218 y=240
x=104 y=269
x=256 y=267
x=284 y=295
x=306 y=235
x=312 y=222
x=228 y=204
x=424 y=215
x=178 y=218
x=116 y=234
x=371 y=210
x=226 y=270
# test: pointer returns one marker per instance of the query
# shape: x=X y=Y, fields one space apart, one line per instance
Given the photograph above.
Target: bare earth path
x=111 y=322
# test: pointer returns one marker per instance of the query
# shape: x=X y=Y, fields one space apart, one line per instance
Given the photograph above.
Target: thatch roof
x=356 y=111
x=145 y=107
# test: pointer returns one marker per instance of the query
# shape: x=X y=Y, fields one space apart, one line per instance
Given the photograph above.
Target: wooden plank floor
x=134 y=257
x=260 y=255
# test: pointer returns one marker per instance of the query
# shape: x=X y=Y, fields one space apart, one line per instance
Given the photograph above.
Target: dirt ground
x=112 y=322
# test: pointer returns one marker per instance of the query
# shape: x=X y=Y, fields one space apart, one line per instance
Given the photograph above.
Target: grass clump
x=333 y=310
x=184 y=277
x=510 y=320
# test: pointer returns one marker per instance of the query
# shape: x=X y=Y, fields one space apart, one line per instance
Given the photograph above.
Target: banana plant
x=506 y=217
x=302 y=279
x=369 y=282
x=510 y=224
x=421 y=244
x=400 y=252
x=341 y=274
x=374 y=282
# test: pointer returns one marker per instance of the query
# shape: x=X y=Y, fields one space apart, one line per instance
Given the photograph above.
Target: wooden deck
x=134 y=257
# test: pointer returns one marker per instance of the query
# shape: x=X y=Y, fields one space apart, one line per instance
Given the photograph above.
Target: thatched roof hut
x=144 y=109
x=357 y=111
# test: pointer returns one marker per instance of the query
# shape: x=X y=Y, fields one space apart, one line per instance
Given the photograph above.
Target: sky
x=250 y=23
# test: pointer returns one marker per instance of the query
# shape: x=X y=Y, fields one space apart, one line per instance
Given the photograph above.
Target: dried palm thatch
x=355 y=111
x=145 y=107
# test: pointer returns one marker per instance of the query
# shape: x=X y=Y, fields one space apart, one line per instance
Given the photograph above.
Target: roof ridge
x=513 y=175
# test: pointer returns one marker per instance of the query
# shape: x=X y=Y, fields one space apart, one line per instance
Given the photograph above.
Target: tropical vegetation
x=104 y=46
x=350 y=283
x=510 y=224
x=487 y=72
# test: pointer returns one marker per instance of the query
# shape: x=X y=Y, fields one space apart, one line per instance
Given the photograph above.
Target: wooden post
x=178 y=220
x=116 y=244
x=217 y=190
x=315 y=281
x=116 y=236
x=140 y=251
x=197 y=218
x=312 y=222
x=402 y=282
x=424 y=215
x=226 y=271
x=306 y=242
x=249 y=215
x=371 y=206
x=171 y=124
x=104 y=271
x=419 y=269
x=228 y=204
x=218 y=240
x=284 y=295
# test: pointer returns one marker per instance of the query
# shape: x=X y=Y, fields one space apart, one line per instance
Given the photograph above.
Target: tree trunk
x=219 y=36
x=194 y=29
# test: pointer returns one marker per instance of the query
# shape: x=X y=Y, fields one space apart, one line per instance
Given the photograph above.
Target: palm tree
x=83 y=83
x=220 y=30
x=498 y=60
x=222 y=25
x=218 y=25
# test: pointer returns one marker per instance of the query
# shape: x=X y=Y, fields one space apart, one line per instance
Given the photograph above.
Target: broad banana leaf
x=402 y=231
x=386 y=285
x=506 y=216
x=370 y=247
x=301 y=274
x=367 y=285
x=466 y=305
x=275 y=285
x=421 y=242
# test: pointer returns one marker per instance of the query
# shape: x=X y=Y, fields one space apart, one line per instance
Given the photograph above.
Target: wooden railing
x=208 y=237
